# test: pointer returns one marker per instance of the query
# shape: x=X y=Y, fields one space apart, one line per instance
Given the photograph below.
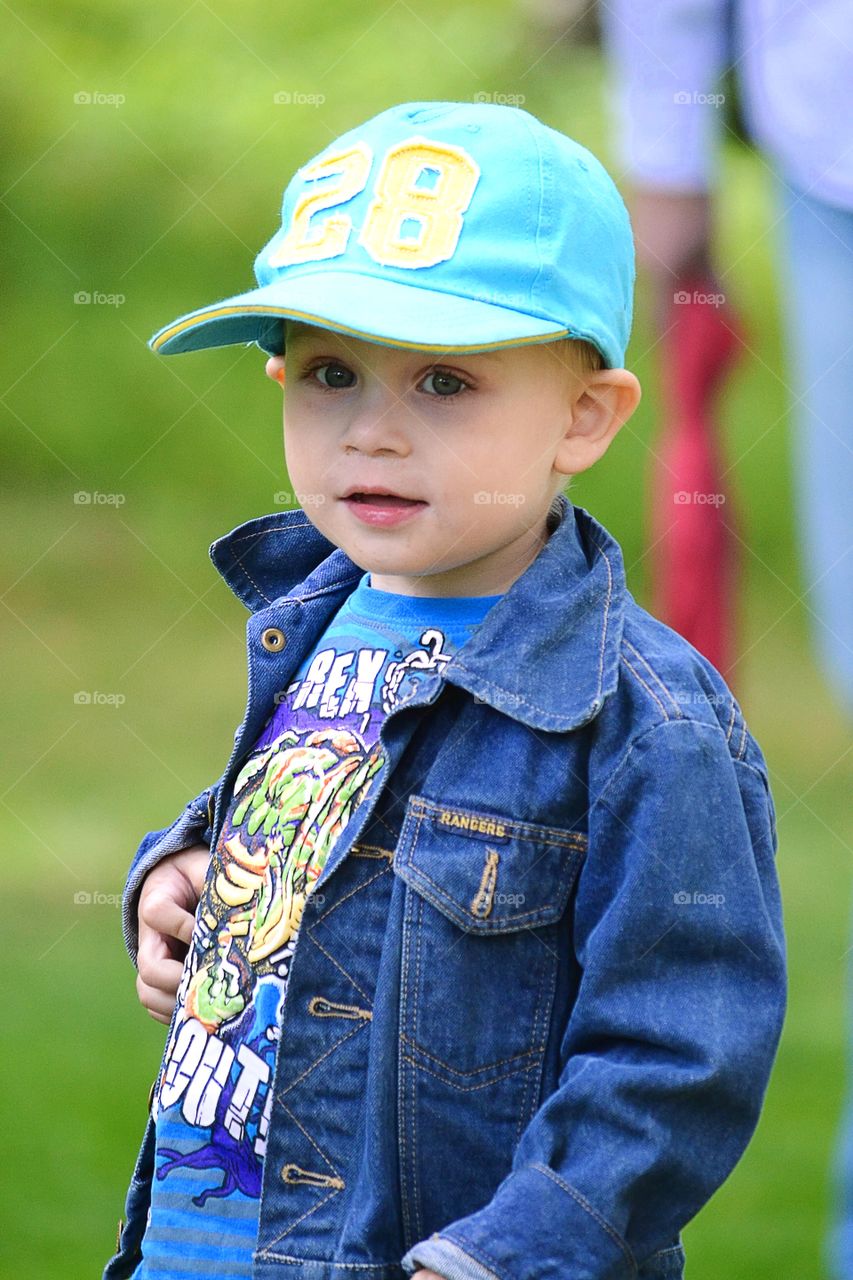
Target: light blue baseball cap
x=462 y=226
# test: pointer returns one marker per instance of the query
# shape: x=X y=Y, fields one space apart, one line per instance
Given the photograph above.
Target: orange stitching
x=371 y=851
x=337 y=965
x=245 y=572
x=481 y=903
x=661 y=684
x=466 y=1088
x=635 y=673
x=314 y=1208
x=323 y=1008
x=301 y=1127
x=405 y=1106
x=439 y=895
x=541 y=1021
x=308 y=1176
x=536 y=1049
x=417 y=1214
x=347 y=1035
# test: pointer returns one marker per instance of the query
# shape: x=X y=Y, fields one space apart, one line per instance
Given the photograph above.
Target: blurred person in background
x=793 y=69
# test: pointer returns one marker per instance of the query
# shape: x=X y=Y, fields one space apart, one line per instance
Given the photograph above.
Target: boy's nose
x=376 y=423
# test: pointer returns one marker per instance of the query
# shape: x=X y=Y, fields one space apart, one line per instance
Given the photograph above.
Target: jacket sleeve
x=669 y=1046
x=665 y=59
x=192 y=826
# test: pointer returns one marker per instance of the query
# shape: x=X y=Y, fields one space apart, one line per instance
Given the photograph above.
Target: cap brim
x=368 y=307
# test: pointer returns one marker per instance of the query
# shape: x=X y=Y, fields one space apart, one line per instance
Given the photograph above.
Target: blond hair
x=581 y=355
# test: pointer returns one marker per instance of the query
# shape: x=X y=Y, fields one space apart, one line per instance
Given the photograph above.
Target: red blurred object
x=694 y=549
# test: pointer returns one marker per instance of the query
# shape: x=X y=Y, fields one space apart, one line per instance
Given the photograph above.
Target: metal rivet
x=273 y=639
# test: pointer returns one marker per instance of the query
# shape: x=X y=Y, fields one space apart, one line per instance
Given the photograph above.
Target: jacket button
x=273 y=639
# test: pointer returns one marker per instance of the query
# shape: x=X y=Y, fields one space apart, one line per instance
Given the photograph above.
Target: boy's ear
x=275 y=369
x=604 y=403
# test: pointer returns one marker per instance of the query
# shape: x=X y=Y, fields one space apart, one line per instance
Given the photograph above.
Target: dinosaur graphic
x=293 y=799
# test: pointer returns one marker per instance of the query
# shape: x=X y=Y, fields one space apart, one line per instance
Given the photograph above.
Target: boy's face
x=480 y=442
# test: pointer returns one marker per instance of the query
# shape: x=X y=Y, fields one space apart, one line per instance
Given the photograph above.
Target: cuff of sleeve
x=536 y=1227
x=188 y=829
x=446 y=1259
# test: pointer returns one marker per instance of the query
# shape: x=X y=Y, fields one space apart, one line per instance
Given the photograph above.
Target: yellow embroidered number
x=351 y=169
x=436 y=210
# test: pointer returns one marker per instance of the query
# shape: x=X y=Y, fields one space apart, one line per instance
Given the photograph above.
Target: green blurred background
x=152 y=197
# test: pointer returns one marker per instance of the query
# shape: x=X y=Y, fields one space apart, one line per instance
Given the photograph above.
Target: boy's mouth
x=383 y=499
x=380 y=507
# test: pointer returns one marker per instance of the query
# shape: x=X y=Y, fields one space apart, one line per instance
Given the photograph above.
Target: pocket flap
x=486 y=873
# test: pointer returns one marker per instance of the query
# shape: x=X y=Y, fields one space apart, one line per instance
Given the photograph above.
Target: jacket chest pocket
x=481 y=939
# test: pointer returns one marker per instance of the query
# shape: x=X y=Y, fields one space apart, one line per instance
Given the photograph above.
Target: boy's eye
x=336 y=375
x=443 y=383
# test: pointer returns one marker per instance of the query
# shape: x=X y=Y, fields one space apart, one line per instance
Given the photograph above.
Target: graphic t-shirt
x=312 y=765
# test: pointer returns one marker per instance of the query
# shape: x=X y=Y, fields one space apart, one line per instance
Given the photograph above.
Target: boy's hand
x=167 y=903
x=427 y=1275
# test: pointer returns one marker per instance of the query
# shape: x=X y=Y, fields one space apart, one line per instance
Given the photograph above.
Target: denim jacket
x=540 y=984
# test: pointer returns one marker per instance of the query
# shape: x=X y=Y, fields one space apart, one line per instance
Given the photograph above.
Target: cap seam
x=540 y=263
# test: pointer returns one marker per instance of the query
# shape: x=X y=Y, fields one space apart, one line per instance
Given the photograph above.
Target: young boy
x=485 y=970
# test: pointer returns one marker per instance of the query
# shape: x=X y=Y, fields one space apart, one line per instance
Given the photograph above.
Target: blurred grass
x=166 y=199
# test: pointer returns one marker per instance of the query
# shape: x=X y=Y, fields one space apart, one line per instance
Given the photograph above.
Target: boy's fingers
x=161 y=913
x=157 y=969
x=158 y=1003
x=163 y=975
x=166 y=927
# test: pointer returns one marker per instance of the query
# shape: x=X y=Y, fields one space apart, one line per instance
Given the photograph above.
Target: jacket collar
x=547 y=653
